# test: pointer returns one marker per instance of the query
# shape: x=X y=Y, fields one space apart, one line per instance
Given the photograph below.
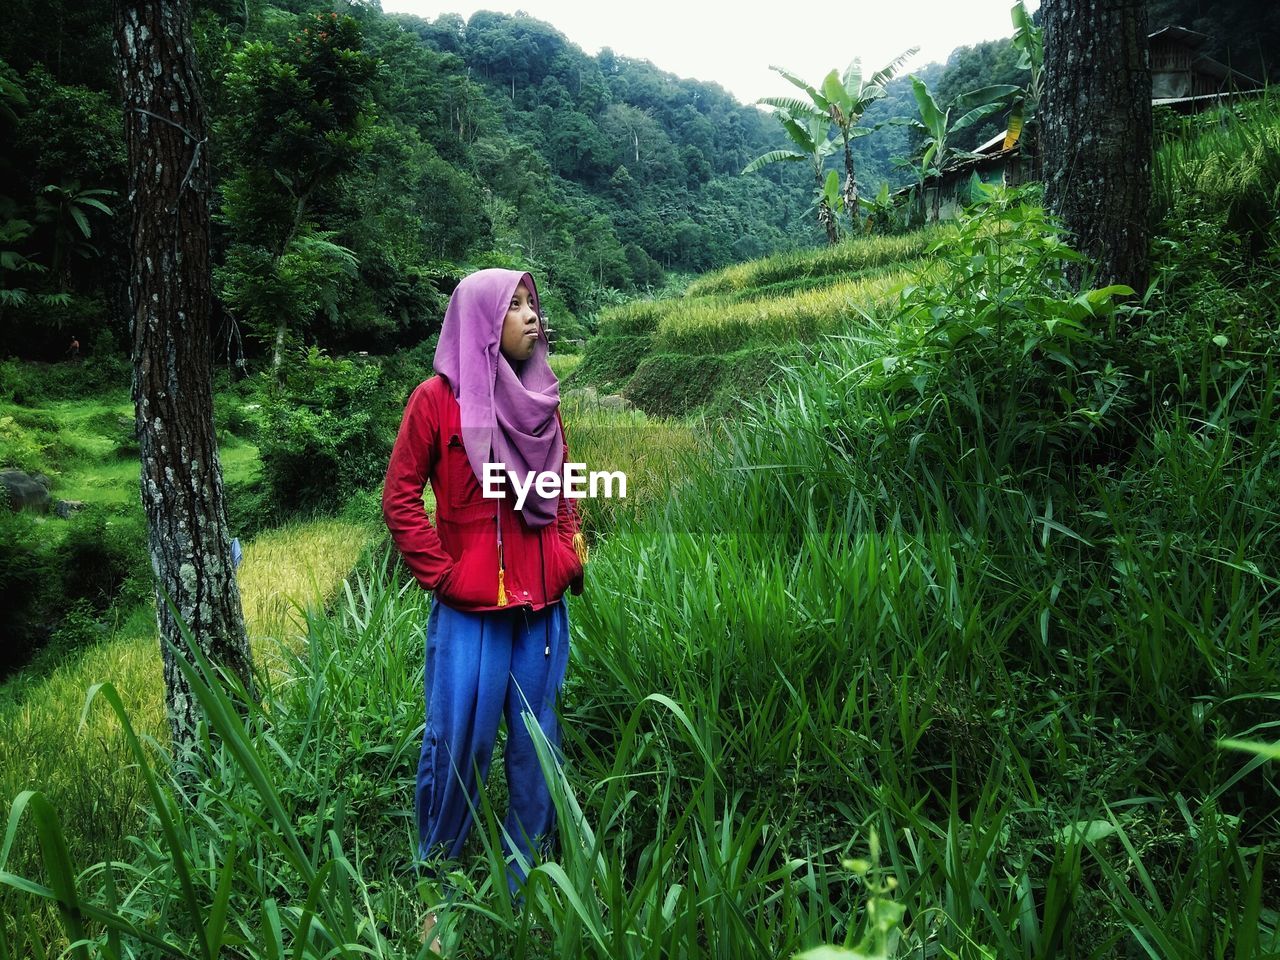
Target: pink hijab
x=508 y=410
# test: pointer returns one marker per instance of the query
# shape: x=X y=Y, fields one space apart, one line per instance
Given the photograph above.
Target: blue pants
x=480 y=666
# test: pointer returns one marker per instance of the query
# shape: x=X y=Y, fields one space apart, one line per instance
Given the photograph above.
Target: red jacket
x=458 y=557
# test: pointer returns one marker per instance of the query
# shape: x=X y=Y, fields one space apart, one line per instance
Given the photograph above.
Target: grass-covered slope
x=732 y=329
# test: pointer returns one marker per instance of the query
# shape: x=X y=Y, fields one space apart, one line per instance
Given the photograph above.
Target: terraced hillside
x=732 y=329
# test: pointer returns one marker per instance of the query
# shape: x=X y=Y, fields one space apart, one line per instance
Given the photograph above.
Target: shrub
x=994 y=351
x=103 y=548
x=748 y=373
x=27 y=569
x=51 y=567
x=233 y=417
x=403 y=370
x=327 y=432
x=23 y=449
x=18 y=381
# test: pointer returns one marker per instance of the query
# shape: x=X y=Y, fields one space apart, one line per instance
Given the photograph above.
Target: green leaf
x=851 y=81
x=929 y=111
x=81 y=221
x=773 y=156
x=1088 y=831
x=831 y=189
x=975 y=115
x=791 y=105
x=96 y=204
x=833 y=89
x=890 y=69
x=801 y=137
x=991 y=93
x=1270 y=751
x=814 y=95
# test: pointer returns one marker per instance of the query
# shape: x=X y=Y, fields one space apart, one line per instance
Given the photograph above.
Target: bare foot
x=429 y=937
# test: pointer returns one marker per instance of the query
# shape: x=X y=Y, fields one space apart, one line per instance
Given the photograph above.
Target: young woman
x=498 y=633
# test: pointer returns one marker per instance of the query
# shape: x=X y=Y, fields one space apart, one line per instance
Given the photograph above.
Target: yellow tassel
x=502 y=587
x=580 y=547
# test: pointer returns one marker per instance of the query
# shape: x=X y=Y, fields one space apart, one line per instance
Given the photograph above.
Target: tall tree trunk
x=171 y=307
x=826 y=216
x=850 y=186
x=1095 y=136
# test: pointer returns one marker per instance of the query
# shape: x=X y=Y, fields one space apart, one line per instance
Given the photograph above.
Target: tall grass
x=877 y=672
x=89 y=772
x=765 y=676
x=852 y=256
x=1226 y=161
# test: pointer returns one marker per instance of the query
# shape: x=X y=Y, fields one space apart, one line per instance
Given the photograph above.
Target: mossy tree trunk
x=1095 y=136
x=170 y=311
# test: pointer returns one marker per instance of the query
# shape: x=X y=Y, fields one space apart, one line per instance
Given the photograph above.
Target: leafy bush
x=18 y=381
x=103 y=549
x=23 y=449
x=748 y=373
x=233 y=417
x=403 y=370
x=994 y=351
x=51 y=567
x=1213 y=322
x=327 y=432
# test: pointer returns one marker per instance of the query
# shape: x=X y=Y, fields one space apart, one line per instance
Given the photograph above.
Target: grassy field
x=86 y=447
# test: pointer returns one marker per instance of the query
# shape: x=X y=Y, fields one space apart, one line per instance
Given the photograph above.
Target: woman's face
x=520 y=330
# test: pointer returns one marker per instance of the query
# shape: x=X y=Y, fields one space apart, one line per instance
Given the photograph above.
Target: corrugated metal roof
x=1191 y=37
x=1204 y=97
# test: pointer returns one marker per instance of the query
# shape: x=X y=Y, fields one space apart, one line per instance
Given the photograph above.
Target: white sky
x=719 y=41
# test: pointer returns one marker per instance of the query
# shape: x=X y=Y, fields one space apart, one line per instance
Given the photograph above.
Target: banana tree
x=1021 y=101
x=807 y=129
x=936 y=150
x=66 y=209
x=844 y=99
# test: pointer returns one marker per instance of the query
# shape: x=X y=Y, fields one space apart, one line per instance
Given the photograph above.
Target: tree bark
x=826 y=216
x=850 y=186
x=170 y=311
x=1096 y=137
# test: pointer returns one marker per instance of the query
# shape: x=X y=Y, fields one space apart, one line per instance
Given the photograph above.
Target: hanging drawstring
x=546 y=629
x=502 y=573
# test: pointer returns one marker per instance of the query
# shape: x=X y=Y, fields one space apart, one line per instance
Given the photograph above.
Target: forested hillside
x=360 y=160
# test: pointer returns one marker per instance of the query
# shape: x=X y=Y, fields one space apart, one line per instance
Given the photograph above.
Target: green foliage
x=326 y=433
x=611 y=359
x=673 y=384
x=101 y=369
x=24 y=449
x=1225 y=163
x=843 y=99
x=53 y=568
x=997 y=352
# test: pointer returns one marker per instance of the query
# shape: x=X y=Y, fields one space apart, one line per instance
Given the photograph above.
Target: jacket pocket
x=565 y=568
x=465 y=497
